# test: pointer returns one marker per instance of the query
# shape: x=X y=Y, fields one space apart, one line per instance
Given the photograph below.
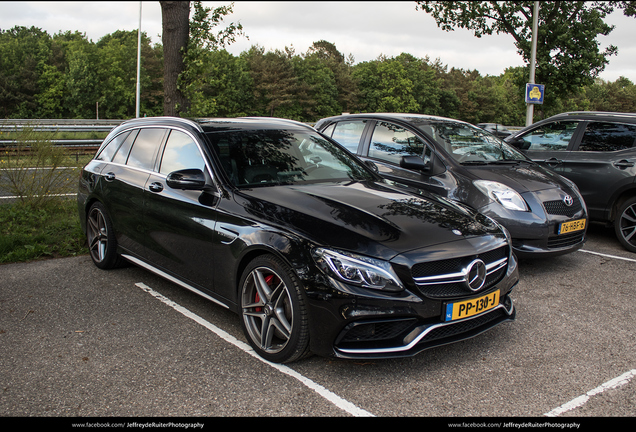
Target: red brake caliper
x=257 y=298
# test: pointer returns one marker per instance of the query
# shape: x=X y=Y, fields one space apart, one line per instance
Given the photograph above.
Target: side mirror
x=414 y=163
x=187 y=179
x=519 y=143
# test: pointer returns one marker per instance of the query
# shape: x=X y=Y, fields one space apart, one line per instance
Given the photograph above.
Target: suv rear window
x=605 y=137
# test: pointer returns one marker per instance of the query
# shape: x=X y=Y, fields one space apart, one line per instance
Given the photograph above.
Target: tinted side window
x=348 y=133
x=608 y=137
x=181 y=152
x=122 y=154
x=107 y=153
x=329 y=129
x=390 y=142
x=145 y=148
x=551 y=136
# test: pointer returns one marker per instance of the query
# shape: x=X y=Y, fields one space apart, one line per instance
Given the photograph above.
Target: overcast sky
x=363 y=29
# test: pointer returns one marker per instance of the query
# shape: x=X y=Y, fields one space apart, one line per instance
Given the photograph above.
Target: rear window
x=111 y=148
x=145 y=148
x=348 y=133
x=606 y=137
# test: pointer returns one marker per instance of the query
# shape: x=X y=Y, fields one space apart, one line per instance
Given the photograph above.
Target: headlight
x=504 y=195
x=358 y=270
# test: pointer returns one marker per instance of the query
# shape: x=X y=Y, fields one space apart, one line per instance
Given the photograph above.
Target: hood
x=370 y=218
x=522 y=177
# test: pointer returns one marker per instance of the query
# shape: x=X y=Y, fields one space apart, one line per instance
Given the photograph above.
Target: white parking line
x=608 y=256
x=331 y=397
x=581 y=400
x=611 y=384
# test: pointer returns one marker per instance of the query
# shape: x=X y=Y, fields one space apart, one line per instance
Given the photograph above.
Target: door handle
x=553 y=161
x=110 y=177
x=155 y=187
x=624 y=164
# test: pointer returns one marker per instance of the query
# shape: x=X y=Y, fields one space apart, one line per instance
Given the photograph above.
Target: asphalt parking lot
x=79 y=342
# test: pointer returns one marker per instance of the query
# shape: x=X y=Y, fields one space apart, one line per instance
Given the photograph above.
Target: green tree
x=346 y=88
x=117 y=74
x=214 y=82
x=617 y=96
x=185 y=44
x=79 y=82
x=318 y=93
x=116 y=68
x=384 y=86
x=219 y=86
x=275 y=82
x=24 y=53
x=426 y=83
x=568 y=53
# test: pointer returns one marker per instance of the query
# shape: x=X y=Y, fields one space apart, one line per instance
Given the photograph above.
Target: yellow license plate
x=568 y=227
x=472 y=307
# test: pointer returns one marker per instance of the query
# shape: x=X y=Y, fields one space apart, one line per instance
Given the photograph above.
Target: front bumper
x=405 y=337
x=379 y=326
x=535 y=234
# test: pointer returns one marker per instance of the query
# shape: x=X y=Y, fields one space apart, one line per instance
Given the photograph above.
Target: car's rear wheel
x=273 y=311
x=102 y=244
x=625 y=225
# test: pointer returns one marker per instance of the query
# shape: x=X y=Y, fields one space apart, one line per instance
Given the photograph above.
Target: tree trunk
x=175 y=16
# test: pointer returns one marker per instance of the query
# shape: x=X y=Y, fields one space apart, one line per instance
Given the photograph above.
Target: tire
x=273 y=311
x=625 y=225
x=102 y=244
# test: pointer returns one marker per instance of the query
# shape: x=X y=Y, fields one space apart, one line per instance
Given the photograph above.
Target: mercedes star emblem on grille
x=476 y=275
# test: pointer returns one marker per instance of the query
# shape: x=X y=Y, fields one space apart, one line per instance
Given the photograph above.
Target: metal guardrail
x=64 y=143
x=61 y=125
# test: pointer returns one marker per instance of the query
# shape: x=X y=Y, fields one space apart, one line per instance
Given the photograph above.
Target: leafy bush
x=35 y=170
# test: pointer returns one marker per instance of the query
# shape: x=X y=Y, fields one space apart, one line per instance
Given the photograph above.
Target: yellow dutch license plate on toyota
x=573 y=226
x=472 y=307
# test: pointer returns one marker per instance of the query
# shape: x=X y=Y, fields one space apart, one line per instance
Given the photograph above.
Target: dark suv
x=597 y=151
x=542 y=210
x=313 y=249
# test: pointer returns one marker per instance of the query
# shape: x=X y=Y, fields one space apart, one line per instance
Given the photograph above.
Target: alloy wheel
x=97 y=234
x=267 y=310
x=626 y=225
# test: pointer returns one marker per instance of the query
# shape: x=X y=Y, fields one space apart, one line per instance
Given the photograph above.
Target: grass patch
x=51 y=230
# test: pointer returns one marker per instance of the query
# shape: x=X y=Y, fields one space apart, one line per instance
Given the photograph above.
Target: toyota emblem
x=476 y=275
x=568 y=200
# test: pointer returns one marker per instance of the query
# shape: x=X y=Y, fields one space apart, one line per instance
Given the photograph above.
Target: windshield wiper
x=505 y=162
x=474 y=162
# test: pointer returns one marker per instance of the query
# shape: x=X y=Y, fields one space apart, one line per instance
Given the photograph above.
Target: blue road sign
x=534 y=93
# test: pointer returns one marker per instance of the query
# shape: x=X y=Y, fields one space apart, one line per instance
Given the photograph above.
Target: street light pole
x=138 y=60
x=533 y=59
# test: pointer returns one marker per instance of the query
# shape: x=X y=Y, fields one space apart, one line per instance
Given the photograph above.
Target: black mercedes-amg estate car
x=314 y=251
x=543 y=211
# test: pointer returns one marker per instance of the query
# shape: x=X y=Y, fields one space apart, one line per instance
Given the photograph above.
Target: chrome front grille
x=449 y=278
x=559 y=208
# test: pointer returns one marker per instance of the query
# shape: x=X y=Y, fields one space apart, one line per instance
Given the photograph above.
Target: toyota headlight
x=358 y=270
x=504 y=195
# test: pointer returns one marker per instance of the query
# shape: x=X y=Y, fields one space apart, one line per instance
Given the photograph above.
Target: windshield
x=468 y=144
x=271 y=157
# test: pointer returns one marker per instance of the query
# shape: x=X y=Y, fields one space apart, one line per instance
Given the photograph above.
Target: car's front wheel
x=625 y=225
x=273 y=311
x=101 y=238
